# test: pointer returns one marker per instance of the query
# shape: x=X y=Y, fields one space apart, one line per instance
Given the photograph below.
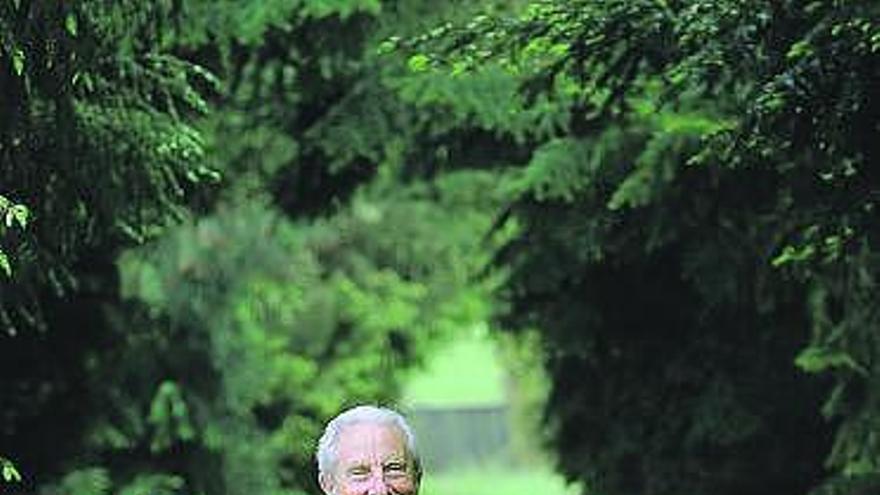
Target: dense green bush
x=695 y=234
x=205 y=359
x=683 y=191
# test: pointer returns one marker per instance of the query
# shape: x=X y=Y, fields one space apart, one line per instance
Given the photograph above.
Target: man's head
x=368 y=450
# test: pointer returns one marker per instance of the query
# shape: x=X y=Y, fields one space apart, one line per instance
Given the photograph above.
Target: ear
x=327 y=483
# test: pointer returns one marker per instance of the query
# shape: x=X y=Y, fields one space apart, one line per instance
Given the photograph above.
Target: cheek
x=346 y=489
x=395 y=487
x=402 y=487
x=353 y=488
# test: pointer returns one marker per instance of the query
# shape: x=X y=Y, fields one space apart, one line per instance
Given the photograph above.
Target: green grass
x=466 y=372
x=497 y=481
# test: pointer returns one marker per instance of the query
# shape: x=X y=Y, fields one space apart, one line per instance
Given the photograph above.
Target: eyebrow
x=390 y=462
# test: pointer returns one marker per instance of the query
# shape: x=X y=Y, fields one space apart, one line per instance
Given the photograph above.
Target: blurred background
x=476 y=409
x=617 y=247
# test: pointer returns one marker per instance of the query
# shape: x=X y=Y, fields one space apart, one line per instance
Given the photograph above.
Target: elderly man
x=368 y=450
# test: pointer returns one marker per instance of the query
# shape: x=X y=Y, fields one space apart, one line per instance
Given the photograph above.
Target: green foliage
x=169 y=418
x=288 y=312
x=153 y=484
x=96 y=141
x=9 y=472
x=14 y=216
x=528 y=386
x=89 y=481
x=209 y=360
x=690 y=224
x=699 y=224
x=97 y=481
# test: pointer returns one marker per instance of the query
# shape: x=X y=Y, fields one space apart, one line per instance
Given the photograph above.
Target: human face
x=371 y=459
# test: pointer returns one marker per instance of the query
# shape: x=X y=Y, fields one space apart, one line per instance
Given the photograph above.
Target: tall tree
x=96 y=153
x=230 y=337
x=698 y=222
x=96 y=143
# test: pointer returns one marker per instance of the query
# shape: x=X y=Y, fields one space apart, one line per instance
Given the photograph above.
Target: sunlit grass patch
x=464 y=373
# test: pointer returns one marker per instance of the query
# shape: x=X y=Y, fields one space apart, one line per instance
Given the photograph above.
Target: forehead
x=365 y=442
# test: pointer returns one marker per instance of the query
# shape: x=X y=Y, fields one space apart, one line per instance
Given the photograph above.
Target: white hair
x=327 y=445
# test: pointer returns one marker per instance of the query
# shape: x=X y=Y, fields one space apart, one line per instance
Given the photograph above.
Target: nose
x=377 y=486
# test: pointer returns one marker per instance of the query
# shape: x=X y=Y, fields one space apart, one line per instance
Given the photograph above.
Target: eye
x=395 y=470
x=358 y=473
